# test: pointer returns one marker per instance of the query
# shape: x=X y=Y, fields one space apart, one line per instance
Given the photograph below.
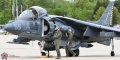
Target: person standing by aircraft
x=57 y=36
x=57 y=41
x=69 y=43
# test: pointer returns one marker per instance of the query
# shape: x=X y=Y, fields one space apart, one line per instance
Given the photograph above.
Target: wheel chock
x=43 y=56
x=50 y=56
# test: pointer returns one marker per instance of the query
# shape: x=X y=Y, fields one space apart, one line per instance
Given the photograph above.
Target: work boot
x=58 y=58
x=74 y=54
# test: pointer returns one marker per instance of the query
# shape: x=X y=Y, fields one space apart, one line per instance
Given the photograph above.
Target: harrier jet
x=34 y=23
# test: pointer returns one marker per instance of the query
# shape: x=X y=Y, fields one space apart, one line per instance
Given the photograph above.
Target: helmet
x=69 y=30
x=56 y=28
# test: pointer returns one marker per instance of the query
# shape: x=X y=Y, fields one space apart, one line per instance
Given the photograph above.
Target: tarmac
x=31 y=51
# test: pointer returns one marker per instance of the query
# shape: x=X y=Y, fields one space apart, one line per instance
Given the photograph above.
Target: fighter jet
x=34 y=23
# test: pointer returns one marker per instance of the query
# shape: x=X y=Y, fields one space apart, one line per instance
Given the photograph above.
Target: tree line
x=81 y=9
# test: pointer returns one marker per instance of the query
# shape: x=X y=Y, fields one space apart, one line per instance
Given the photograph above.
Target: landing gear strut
x=41 y=45
x=112 y=52
x=48 y=53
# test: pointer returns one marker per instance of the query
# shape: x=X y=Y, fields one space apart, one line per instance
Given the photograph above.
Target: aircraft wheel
x=43 y=53
x=76 y=51
x=112 y=53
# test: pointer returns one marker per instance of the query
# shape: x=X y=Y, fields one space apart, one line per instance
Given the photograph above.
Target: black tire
x=76 y=51
x=112 y=53
x=43 y=53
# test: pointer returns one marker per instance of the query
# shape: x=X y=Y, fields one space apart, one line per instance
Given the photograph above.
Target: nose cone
x=7 y=27
x=11 y=28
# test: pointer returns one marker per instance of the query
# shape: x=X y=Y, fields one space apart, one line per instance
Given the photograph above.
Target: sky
x=112 y=0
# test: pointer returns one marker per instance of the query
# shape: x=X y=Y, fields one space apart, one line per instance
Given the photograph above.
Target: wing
x=94 y=29
x=89 y=26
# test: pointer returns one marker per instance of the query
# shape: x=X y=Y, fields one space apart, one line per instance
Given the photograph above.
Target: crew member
x=69 y=43
x=57 y=36
x=38 y=12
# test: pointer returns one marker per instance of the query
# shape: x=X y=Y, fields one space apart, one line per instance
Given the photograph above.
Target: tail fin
x=106 y=18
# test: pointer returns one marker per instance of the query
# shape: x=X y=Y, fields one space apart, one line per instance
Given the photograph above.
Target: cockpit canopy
x=34 y=12
x=40 y=11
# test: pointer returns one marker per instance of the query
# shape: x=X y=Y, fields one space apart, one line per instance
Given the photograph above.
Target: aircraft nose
x=11 y=28
x=7 y=27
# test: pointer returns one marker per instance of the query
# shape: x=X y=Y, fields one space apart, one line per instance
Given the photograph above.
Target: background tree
x=98 y=13
x=116 y=16
x=81 y=9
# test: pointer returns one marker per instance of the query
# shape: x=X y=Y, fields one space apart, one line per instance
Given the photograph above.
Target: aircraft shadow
x=30 y=57
x=36 y=57
x=99 y=56
x=19 y=43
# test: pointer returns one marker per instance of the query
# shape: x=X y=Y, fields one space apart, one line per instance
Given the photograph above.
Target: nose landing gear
x=41 y=45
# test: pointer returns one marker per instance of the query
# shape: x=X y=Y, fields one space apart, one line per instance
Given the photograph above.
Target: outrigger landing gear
x=112 y=52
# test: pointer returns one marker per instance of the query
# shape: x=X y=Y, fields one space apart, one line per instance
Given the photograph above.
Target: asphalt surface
x=30 y=51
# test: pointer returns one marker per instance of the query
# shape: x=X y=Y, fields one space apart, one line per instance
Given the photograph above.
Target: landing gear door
x=45 y=27
x=42 y=27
